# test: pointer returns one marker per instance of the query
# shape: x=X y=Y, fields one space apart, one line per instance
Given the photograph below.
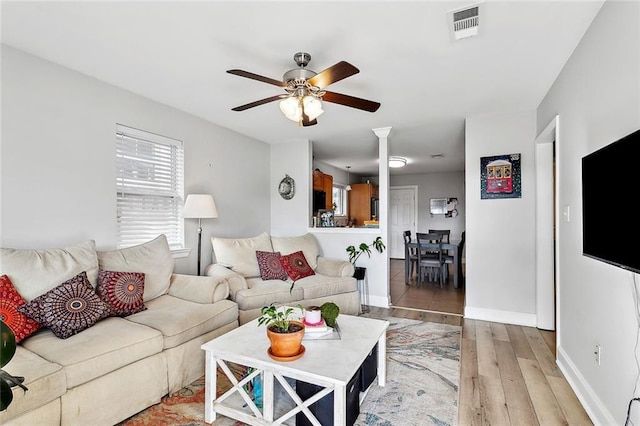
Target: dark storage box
x=369 y=369
x=323 y=409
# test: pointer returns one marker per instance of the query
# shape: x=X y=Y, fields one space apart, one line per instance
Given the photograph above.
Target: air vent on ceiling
x=465 y=22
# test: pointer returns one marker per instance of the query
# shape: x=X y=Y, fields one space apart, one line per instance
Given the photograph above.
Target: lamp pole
x=199 y=243
x=199 y=206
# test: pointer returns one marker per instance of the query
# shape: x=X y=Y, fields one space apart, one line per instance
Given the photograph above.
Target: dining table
x=453 y=248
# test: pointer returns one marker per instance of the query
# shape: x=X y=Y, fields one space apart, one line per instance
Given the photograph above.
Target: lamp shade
x=199 y=206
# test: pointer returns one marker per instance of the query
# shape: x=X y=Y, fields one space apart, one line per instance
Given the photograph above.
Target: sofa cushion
x=181 y=320
x=296 y=265
x=34 y=272
x=239 y=254
x=152 y=258
x=270 y=266
x=122 y=291
x=307 y=243
x=10 y=300
x=110 y=344
x=317 y=286
x=69 y=308
x=261 y=293
x=46 y=382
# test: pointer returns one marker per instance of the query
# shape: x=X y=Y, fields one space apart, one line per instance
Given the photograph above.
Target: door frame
x=415 y=205
x=547 y=216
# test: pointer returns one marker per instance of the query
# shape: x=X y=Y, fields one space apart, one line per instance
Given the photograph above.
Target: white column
x=383 y=154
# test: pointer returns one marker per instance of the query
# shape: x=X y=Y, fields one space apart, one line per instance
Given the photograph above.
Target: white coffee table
x=327 y=363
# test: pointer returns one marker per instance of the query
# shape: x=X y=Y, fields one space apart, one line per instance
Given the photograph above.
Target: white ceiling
x=177 y=53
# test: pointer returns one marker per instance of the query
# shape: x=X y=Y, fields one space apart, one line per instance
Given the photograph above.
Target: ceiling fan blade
x=253 y=76
x=337 y=72
x=258 y=103
x=351 y=101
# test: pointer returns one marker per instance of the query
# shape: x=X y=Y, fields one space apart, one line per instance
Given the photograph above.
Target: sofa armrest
x=334 y=267
x=199 y=289
x=235 y=281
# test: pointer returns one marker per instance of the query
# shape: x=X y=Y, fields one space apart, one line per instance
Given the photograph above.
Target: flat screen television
x=610 y=216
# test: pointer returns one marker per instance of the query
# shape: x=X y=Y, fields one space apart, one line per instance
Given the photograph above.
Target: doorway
x=428 y=296
x=547 y=266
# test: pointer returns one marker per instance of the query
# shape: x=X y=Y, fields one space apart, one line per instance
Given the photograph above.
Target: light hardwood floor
x=508 y=374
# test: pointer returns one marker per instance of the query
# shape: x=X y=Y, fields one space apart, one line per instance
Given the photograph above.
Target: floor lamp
x=199 y=206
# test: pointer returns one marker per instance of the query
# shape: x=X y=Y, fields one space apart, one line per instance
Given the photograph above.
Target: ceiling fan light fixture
x=291 y=108
x=312 y=107
x=397 y=162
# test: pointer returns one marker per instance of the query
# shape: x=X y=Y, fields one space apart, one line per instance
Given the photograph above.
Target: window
x=340 y=199
x=149 y=187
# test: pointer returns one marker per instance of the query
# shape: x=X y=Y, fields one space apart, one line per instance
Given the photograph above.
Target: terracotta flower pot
x=286 y=344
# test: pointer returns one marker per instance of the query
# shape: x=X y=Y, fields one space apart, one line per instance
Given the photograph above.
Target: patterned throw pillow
x=270 y=266
x=122 y=291
x=296 y=265
x=10 y=300
x=69 y=308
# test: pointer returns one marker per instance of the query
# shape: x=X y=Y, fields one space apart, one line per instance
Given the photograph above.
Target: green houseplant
x=355 y=253
x=283 y=330
x=7 y=381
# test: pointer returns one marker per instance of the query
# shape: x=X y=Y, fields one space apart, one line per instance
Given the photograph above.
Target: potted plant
x=7 y=381
x=284 y=331
x=355 y=253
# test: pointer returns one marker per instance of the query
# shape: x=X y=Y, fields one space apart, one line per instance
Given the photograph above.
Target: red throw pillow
x=296 y=265
x=270 y=266
x=10 y=300
x=122 y=291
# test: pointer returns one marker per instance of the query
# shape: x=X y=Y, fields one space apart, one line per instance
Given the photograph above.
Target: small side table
x=363 y=288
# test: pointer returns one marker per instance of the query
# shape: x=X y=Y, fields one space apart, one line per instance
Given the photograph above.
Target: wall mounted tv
x=610 y=190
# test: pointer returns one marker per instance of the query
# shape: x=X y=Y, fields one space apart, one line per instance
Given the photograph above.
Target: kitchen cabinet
x=324 y=182
x=360 y=202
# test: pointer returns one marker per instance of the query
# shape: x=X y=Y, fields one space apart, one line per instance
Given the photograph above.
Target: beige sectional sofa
x=120 y=365
x=235 y=261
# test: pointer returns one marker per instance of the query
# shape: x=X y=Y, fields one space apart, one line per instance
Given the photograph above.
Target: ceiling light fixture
x=348 y=187
x=303 y=99
x=396 y=162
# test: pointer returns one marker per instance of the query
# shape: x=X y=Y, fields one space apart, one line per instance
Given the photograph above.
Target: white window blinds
x=149 y=187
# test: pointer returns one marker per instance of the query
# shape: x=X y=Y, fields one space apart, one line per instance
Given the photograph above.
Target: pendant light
x=348 y=188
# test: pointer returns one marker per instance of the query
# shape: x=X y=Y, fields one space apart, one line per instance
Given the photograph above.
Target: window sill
x=180 y=253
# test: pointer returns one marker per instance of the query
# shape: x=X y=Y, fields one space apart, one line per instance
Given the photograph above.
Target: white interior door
x=402 y=217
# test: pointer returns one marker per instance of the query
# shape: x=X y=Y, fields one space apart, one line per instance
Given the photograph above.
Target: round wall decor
x=287 y=187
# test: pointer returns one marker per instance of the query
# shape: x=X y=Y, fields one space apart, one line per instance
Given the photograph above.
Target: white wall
x=437 y=185
x=339 y=175
x=597 y=98
x=58 y=160
x=291 y=217
x=500 y=244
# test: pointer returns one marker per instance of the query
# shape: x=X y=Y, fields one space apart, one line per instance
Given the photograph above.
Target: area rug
x=423 y=375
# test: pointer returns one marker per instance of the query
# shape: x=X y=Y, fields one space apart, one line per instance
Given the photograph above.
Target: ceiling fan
x=305 y=89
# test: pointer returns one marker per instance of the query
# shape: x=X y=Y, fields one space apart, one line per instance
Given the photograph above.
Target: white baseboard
x=592 y=405
x=379 y=301
x=494 y=315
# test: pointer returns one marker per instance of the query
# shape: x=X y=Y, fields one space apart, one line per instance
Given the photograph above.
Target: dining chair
x=410 y=253
x=446 y=233
x=430 y=261
x=448 y=258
